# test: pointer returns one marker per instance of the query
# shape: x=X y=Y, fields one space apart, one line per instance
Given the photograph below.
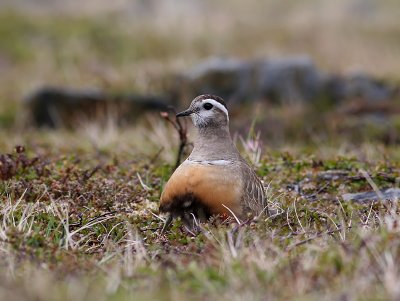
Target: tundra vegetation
x=79 y=207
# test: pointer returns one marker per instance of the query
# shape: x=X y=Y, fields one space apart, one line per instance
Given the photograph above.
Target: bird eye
x=207 y=106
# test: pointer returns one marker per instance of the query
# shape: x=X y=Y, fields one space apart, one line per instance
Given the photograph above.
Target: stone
x=283 y=80
x=367 y=88
x=388 y=194
x=279 y=80
x=226 y=77
x=289 y=80
x=332 y=174
x=61 y=107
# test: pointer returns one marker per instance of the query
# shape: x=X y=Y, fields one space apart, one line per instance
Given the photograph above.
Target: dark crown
x=209 y=96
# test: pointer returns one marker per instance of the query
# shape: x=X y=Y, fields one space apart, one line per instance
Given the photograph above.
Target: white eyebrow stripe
x=218 y=105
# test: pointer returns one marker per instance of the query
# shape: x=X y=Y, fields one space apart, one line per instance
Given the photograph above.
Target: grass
x=81 y=222
x=78 y=209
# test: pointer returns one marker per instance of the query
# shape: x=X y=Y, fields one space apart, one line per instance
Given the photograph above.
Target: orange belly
x=216 y=187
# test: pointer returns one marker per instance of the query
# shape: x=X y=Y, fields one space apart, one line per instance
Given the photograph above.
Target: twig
x=233 y=214
x=89 y=173
x=145 y=187
x=297 y=216
x=156 y=155
x=181 y=128
x=100 y=216
x=77 y=224
x=302 y=242
x=156 y=216
x=80 y=223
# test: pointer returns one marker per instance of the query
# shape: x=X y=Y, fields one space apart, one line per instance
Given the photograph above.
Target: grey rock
x=279 y=80
x=332 y=174
x=229 y=78
x=293 y=79
x=54 y=107
x=367 y=88
x=388 y=194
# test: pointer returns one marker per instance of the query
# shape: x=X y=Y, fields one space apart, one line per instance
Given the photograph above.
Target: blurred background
x=297 y=71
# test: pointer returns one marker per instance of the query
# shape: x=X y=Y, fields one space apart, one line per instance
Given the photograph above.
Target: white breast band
x=211 y=162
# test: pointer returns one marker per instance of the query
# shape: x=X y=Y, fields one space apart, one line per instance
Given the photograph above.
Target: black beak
x=185 y=113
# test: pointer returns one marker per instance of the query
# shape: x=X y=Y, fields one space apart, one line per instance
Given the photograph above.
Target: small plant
x=18 y=163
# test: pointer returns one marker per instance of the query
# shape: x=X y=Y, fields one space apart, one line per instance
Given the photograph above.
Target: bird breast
x=217 y=186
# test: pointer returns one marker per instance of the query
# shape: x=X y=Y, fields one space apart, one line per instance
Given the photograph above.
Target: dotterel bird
x=214 y=179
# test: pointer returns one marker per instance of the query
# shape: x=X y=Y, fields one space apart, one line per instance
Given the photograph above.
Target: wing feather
x=254 y=198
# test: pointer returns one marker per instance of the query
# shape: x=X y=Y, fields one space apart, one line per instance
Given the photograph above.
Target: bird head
x=207 y=111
